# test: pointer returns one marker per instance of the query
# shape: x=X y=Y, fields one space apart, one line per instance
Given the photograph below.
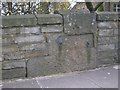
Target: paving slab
x=22 y=84
x=105 y=78
x=69 y=81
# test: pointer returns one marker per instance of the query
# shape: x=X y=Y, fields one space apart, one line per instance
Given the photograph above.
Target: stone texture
x=106 y=54
x=52 y=28
x=108 y=60
x=25 y=54
x=30 y=30
x=102 y=16
x=29 y=39
x=18 y=20
x=108 y=25
x=106 y=47
x=33 y=47
x=76 y=53
x=106 y=32
x=10 y=31
x=7 y=41
x=13 y=73
x=42 y=66
x=13 y=64
x=52 y=44
x=107 y=40
x=10 y=48
x=49 y=19
x=116 y=31
x=73 y=23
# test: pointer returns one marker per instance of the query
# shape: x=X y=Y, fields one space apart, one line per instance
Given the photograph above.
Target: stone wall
x=107 y=38
x=40 y=45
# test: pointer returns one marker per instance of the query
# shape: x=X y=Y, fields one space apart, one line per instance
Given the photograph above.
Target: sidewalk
x=106 y=77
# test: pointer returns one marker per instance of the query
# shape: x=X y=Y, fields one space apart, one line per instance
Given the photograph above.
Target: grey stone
x=22 y=84
x=77 y=53
x=106 y=54
x=68 y=81
x=116 y=31
x=52 y=28
x=106 y=32
x=29 y=39
x=7 y=41
x=52 y=44
x=107 y=40
x=13 y=64
x=30 y=30
x=42 y=66
x=10 y=48
x=107 y=61
x=106 y=47
x=10 y=31
x=104 y=77
x=33 y=47
x=49 y=19
x=108 y=25
x=102 y=16
x=14 y=73
x=25 y=54
x=13 y=55
x=73 y=23
x=18 y=20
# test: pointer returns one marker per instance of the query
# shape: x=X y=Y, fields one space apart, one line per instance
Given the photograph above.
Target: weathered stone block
x=49 y=19
x=103 y=16
x=29 y=39
x=73 y=23
x=7 y=41
x=41 y=66
x=10 y=31
x=108 y=25
x=109 y=60
x=106 y=32
x=25 y=54
x=106 y=47
x=30 y=30
x=14 y=73
x=10 y=48
x=107 y=40
x=106 y=54
x=13 y=64
x=33 y=47
x=52 y=28
x=116 y=32
x=13 y=55
x=18 y=20
x=77 y=53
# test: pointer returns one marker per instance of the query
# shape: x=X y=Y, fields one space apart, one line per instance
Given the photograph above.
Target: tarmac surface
x=105 y=77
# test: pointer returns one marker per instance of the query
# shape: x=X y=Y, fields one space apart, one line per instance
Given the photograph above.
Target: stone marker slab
x=79 y=23
x=77 y=53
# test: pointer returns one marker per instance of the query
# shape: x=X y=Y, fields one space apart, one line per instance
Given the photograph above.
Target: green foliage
x=100 y=9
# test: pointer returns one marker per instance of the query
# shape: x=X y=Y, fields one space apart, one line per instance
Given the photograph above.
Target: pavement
x=105 y=77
